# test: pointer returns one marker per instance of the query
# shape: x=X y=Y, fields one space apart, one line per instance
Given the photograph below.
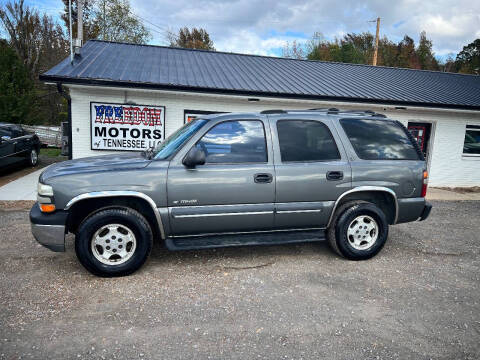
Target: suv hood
x=95 y=164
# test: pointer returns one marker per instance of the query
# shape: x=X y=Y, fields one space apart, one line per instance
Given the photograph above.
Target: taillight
x=425 y=183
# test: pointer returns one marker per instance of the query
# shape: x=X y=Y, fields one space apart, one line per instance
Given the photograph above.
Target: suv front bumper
x=49 y=229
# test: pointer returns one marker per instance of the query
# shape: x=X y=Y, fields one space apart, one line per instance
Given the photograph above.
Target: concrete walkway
x=24 y=188
x=442 y=194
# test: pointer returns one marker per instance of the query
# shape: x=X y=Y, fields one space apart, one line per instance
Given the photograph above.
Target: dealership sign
x=126 y=127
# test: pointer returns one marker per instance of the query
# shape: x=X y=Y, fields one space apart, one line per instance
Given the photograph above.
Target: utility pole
x=375 y=54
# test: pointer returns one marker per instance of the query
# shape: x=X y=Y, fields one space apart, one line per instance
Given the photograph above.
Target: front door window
x=234 y=142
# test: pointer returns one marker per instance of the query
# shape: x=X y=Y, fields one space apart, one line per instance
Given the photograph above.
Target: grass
x=50 y=152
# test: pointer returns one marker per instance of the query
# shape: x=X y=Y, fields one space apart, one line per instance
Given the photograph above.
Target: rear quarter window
x=379 y=139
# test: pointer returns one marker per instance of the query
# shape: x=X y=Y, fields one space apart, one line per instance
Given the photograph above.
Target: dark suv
x=273 y=177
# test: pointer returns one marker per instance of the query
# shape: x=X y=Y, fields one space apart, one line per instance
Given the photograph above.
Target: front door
x=312 y=171
x=421 y=133
x=234 y=191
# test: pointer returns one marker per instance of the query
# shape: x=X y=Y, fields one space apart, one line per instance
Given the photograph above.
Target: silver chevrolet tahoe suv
x=273 y=177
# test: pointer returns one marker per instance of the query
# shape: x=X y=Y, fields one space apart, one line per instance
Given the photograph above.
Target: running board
x=258 y=238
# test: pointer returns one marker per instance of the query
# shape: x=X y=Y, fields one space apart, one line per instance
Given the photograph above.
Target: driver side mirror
x=193 y=158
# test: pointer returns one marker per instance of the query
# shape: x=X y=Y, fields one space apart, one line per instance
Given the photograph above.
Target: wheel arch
x=87 y=204
x=385 y=198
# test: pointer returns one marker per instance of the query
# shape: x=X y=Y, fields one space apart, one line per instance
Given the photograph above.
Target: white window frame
x=470 y=128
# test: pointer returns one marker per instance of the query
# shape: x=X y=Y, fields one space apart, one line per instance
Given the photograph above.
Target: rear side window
x=5 y=132
x=306 y=140
x=379 y=139
x=235 y=142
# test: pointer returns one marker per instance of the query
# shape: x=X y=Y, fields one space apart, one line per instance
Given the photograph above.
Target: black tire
x=133 y=221
x=32 y=158
x=337 y=232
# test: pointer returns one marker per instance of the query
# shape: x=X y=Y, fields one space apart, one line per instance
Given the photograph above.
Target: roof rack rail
x=273 y=112
x=364 y=112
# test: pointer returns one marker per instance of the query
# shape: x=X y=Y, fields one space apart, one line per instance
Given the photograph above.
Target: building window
x=233 y=142
x=471 y=144
x=306 y=140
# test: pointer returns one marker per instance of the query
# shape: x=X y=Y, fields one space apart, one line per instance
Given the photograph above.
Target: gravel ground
x=418 y=299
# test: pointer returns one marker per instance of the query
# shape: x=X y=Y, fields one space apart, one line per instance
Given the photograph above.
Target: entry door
x=421 y=133
x=234 y=191
x=311 y=173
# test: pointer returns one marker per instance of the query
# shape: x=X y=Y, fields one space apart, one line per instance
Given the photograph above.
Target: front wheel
x=358 y=230
x=113 y=242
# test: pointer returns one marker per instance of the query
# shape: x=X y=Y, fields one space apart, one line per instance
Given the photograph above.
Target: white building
x=125 y=97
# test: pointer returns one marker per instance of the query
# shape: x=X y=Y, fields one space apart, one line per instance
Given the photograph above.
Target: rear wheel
x=358 y=231
x=33 y=157
x=113 y=242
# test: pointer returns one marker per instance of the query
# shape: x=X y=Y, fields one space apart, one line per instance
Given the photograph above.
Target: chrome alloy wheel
x=362 y=232
x=113 y=244
x=33 y=157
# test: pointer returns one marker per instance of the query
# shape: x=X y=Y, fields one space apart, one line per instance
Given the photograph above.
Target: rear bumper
x=49 y=229
x=426 y=211
x=413 y=209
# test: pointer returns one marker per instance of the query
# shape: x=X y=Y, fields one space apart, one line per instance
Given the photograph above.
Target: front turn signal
x=47 y=208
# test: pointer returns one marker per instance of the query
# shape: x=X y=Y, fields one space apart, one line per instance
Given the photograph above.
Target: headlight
x=44 y=190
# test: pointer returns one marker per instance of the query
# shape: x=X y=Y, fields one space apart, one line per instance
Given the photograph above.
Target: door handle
x=335 y=175
x=263 y=178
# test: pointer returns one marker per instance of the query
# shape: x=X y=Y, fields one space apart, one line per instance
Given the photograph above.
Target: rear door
x=383 y=155
x=234 y=191
x=311 y=169
x=21 y=141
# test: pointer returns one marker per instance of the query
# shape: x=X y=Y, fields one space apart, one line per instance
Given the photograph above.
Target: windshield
x=177 y=139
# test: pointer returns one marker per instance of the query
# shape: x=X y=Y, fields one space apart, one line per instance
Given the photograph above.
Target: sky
x=263 y=27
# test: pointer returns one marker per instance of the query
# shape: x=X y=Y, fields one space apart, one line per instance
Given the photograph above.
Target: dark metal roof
x=146 y=66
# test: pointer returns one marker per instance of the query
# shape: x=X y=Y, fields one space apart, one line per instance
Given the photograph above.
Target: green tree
x=191 y=39
x=406 y=54
x=23 y=27
x=352 y=48
x=358 y=48
x=387 y=52
x=116 y=22
x=468 y=60
x=39 y=43
x=425 y=54
x=16 y=88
